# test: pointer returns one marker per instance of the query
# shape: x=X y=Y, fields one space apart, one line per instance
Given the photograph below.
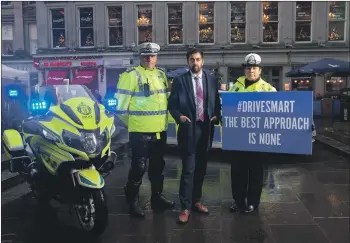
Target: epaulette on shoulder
x=130 y=69
x=161 y=69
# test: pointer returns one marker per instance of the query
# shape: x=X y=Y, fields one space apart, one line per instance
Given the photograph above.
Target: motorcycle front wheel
x=92 y=211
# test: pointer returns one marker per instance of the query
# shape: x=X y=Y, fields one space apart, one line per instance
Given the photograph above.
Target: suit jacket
x=182 y=103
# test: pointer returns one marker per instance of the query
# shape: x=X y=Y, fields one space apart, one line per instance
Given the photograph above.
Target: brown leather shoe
x=200 y=208
x=183 y=217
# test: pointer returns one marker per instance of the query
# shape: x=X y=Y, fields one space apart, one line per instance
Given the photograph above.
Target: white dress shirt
x=200 y=75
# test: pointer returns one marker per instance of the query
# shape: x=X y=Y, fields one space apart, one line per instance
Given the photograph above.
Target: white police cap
x=148 y=49
x=252 y=59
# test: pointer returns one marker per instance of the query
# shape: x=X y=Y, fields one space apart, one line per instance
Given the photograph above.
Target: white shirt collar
x=195 y=75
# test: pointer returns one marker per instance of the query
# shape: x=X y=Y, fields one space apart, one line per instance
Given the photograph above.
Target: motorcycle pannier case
x=13 y=147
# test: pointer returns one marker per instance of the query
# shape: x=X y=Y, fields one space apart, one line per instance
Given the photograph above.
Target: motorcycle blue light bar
x=39 y=105
x=112 y=102
x=13 y=93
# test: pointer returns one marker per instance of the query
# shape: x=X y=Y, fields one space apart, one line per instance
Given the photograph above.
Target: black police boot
x=238 y=206
x=158 y=201
x=234 y=208
x=251 y=209
x=135 y=209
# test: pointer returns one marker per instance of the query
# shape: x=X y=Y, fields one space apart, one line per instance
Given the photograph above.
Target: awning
x=55 y=77
x=84 y=77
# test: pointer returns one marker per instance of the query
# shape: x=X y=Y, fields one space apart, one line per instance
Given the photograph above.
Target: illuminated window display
x=86 y=27
x=238 y=22
x=303 y=21
x=270 y=21
x=337 y=20
x=144 y=24
x=302 y=84
x=58 y=31
x=175 y=27
x=115 y=25
x=335 y=84
x=206 y=23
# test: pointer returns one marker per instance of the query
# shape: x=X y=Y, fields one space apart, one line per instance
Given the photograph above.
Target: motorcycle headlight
x=103 y=138
x=72 y=140
x=89 y=142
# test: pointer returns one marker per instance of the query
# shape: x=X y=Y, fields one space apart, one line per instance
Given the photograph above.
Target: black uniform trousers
x=247 y=175
x=194 y=168
x=146 y=147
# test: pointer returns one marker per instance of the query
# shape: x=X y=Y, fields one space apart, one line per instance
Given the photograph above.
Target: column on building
x=224 y=71
x=18 y=32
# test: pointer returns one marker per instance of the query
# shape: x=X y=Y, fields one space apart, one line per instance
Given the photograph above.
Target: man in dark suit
x=194 y=103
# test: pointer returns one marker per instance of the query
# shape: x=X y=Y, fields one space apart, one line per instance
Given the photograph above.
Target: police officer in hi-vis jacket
x=142 y=105
x=247 y=172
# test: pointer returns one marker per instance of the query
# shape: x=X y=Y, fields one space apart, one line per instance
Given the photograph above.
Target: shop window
x=335 y=84
x=30 y=3
x=33 y=38
x=302 y=84
x=144 y=24
x=175 y=25
x=115 y=26
x=7 y=39
x=238 y=22
x=337 y=20
x=58 y=28
x=86 y=27
x=206 y=23
x=303 y=21
x=276 y=72
x=270 y=21
x=265 y=74
x=6 y=3
x=272 y=75
x=112 y=78
x=234 y=73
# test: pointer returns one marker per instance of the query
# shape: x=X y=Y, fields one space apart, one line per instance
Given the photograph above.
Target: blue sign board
x=277 y=122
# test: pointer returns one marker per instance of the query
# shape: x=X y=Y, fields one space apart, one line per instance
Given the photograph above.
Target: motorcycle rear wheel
x=92 y=212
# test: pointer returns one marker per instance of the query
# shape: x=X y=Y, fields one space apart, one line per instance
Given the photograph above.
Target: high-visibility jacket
x=140 y=110
x=259 y=86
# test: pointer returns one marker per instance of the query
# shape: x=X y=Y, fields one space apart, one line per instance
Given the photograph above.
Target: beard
x=195 y=69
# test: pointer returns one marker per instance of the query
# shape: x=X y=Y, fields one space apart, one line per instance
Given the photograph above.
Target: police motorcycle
x=64 y=153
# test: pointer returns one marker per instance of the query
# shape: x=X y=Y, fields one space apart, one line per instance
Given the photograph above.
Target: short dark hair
x=193 y=51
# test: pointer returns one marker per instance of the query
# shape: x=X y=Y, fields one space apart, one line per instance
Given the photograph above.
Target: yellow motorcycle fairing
x=84 y=110
x=50 y=154
x=90 y=178
x=12 y=143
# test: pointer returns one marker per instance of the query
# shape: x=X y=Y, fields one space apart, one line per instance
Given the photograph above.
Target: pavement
x=305 y=200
